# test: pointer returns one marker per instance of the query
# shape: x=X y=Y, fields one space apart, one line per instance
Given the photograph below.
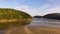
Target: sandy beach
x=27 y=30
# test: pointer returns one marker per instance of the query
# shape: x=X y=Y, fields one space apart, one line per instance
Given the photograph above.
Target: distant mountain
x=52 y=16
x=37 y=16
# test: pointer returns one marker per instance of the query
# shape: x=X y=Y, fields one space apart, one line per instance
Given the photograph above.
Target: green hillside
x=12 y=18
x=6 y=13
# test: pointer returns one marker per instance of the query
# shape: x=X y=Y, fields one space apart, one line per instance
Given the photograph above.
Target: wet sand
x=28 y=30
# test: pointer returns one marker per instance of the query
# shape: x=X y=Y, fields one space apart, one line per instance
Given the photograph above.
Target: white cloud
x=34 y=11
x=52 y=7
x=51 y=10
x=46 y=9
x=29 y=10
x=54 y=10
x=23 y=8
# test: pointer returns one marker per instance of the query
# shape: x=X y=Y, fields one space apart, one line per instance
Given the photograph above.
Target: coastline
x=27 y=30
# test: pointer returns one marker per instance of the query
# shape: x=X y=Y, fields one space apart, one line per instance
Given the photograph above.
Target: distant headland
x=52 y=16
x=49 y=16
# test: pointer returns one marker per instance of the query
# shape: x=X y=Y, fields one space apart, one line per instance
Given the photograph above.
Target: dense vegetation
x=11 y=18
x=12 y=14
x=52 y=16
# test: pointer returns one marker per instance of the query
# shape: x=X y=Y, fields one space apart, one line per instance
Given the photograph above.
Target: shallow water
x=42 y=22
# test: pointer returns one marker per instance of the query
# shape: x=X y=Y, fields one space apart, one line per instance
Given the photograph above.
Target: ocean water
x=43 y=22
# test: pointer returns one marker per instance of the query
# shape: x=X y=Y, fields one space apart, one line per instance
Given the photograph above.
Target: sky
x=33 y=7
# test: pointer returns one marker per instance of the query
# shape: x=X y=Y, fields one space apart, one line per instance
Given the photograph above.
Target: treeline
x=7 y=13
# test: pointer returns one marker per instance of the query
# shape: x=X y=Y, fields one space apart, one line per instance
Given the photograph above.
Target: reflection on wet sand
x=37 y=26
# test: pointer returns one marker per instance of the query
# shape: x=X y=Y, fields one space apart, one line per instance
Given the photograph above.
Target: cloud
x=54 y=10
x=43 y=10
x=52 y=7
x=51 y=10
x=29 y=10
x=34 y=11
x=39 y=11
x=23 y=8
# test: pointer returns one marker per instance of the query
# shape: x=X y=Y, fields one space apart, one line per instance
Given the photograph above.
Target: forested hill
x=9 y=14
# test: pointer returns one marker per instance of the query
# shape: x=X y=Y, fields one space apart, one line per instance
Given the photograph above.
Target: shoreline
x=26 y=30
